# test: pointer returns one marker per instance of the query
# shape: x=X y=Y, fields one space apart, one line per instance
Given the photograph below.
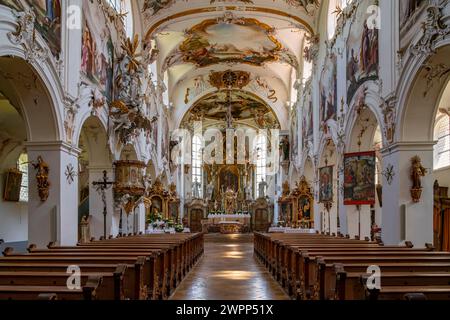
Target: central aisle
x=228 y=271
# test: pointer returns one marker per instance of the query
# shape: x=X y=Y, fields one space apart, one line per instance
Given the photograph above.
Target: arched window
x=197 y=157
x=124 y=7
x=22 y=164
x=332 y=18
x=333 y=8
x=442 y=148
x=261 y=159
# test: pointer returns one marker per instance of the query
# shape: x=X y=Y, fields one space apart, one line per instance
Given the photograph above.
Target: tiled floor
x=228 y=271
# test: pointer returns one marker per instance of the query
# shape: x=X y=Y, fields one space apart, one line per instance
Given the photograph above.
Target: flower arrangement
x=179 y=228
x=156 y=221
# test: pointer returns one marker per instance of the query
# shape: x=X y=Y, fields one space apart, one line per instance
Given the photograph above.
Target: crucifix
x=229 y=115
x=101 y=187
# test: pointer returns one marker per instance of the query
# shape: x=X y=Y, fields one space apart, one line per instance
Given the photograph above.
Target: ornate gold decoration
x=131 y=47
x=208 y=10
x=229 y=79
x=129 y=178
x=303 y=200
x=173 y=190
x=157 y=188
x=42 y=178
x=417 y=172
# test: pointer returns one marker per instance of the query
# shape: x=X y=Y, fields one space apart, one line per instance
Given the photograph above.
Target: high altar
x=228 y=206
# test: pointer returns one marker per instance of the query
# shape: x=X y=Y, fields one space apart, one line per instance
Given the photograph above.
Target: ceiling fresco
x=230 y=40
x=246 y=108
x=199 y=46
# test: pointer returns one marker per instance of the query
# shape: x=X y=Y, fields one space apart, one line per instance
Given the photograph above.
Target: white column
x=140 y=211
x=55 y=219
x=343 y=219
x=402 y=219
x=72 y=25
x=96 y=203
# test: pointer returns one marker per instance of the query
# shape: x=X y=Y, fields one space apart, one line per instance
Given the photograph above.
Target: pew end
x=341 y=277
x=52 y=245
x=90 y=289
x=409 y=244
x=429 y=246
x=8 y=251
x=31 y=248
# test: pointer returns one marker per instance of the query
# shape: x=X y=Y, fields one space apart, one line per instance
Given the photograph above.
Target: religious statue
x=286 y=189
x=417 y=172
x=262 y=188
x=196 y=189
x=210 y=190
x=42 y=178
x=284 y=148
x=230 y=200
x=248 y=192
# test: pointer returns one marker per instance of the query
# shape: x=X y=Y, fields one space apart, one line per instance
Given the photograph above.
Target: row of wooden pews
x=135 y=267
x=324 y=267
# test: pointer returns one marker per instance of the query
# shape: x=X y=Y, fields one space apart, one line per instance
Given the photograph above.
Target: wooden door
x=196 y=220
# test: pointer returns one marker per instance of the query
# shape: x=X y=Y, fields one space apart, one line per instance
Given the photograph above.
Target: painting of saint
x=294 y=134
x=48 y=19
x=326 y=184
x=48 y=22
x=362 y=51
x=359 y=178
x=228 y=179
x=97 y=50
x=328 y=91
x=304 y=207
x=307 y=126
x=13 y=184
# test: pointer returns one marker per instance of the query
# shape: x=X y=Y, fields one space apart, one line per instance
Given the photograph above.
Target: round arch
x=279 y=114
x=28 y=88
x=421 y=90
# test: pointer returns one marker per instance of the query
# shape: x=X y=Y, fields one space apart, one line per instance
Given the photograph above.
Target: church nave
x=229 y=271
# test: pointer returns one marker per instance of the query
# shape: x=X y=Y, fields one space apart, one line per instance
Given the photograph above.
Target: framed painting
x=13 y=183
x=359 y=178
x=362 y=49
x=326 y=184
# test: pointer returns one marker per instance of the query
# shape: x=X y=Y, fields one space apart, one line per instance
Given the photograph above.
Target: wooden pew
x=111 y=287
x=26 y=292
x=146 y=258
x=309 y=261
x=136 y=274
